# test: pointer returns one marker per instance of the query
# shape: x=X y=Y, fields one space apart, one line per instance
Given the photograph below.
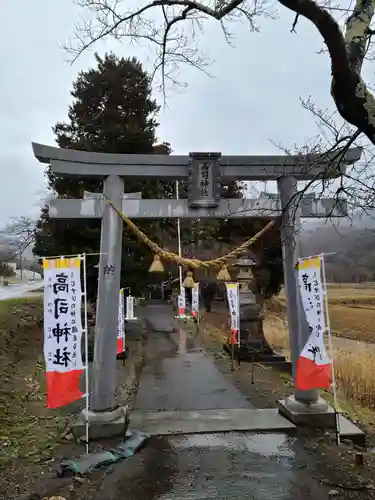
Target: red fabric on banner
x=310 y=375
x=232 y=338
x=63 y=388
x=120 y=346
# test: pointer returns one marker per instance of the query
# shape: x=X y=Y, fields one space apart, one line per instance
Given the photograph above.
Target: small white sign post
x=234 y=311
x=181 y=301
x=195 y=302
x=130 y=308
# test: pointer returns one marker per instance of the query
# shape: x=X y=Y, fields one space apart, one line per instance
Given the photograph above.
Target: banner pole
x=239 y=327
x=232 y=351
x=179 y=238
x=122 y=319
x=86 y=351
x=328 y=327
x=198 y=308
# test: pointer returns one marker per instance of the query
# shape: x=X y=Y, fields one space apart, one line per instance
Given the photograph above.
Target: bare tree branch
x=170 y=27
x=173 y=28
x=22 y=232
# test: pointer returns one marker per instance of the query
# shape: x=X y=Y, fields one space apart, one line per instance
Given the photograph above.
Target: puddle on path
x=264 y=444
x=239 y=466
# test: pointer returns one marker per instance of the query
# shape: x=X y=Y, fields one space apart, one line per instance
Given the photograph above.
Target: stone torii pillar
x=204 y=172
x=104 y=370
x=304 y=406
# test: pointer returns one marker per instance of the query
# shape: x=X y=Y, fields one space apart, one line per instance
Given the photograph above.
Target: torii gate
x=203 y=171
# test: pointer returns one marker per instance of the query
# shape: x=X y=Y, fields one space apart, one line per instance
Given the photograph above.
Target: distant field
x=351 y=310
x=352 y=316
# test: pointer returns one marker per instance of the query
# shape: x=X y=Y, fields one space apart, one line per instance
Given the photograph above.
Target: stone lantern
x=245 y=277
x=253 y=344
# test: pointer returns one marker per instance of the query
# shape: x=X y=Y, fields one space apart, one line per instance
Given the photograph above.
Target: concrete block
x=102 y=425
x=350 y=431
x=162 y=423
x=317 y=414
x=320 y=415
x=100 y=430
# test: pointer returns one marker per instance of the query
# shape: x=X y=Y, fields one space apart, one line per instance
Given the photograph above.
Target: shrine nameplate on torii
x=203 y=172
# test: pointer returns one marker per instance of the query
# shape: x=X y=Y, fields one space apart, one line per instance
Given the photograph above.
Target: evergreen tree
x=113 y=112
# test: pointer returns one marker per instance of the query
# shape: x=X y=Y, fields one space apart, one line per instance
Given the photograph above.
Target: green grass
x=27 y=429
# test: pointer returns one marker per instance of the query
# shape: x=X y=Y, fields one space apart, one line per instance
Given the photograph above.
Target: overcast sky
x=252 y=98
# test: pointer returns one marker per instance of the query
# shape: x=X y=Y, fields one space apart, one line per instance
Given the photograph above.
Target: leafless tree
x=22 y=229
x=172 y=27
x=355 y=184
x=21 y=232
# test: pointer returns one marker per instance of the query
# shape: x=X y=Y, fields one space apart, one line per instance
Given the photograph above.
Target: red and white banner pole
x=121 y=324
x=63 y=331
x=87 y=395
x=234 y=311
x=195 y=302
x=315 y=369
x=330 y=346
x=181 y=302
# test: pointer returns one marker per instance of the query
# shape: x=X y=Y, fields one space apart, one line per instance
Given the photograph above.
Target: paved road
x=19 y=290
x=239 y=466
x=214 y=467
x=178 y=375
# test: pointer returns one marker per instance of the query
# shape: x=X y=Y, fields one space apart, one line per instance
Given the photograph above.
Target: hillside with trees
x=352 y=247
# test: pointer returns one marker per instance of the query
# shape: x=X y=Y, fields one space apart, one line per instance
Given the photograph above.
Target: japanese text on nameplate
x=204 y=179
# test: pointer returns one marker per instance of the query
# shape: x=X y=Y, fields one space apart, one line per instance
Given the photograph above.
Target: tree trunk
x=353 y=100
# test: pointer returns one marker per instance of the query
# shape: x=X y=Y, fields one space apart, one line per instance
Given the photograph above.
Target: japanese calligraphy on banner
x=62 y=330
x=182 y=302
x=121 y=324
x=234 y=311
x=195 y=301
x=313 y=366
x=130 y=307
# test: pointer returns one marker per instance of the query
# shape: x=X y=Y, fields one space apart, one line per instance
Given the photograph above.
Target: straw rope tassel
x=189 y=280
x=223 y=274
x=156 y=266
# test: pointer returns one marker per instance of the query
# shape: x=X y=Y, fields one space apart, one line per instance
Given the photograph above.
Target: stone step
x=163 y=423
x=351 y=432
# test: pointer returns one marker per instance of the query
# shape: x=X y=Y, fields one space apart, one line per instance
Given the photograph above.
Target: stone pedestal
x=102 y=424
x=251 y=327
x=253 y=343
x=320 y=414
x=317 y=414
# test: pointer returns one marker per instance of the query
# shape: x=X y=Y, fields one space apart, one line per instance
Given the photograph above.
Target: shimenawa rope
x=194 y=263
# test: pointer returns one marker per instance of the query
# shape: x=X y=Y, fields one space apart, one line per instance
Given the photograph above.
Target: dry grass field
x=354 y=363
x=351 y=310
x=352 y=318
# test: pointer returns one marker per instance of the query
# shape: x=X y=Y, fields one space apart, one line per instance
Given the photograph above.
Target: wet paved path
x=238 y=466
x=179 y=376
